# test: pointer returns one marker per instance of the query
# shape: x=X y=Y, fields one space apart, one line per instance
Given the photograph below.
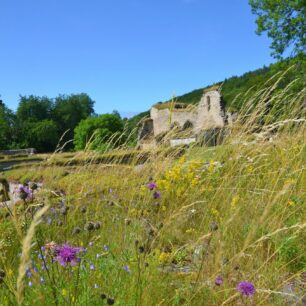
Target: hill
x=235 y=88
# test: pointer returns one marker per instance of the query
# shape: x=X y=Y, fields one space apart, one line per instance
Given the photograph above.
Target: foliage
x=7 y=122
x=97 y=131
x=69 y=111
x=284 y=21
x=40 y=122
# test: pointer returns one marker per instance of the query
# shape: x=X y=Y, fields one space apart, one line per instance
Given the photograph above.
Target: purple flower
x=246 y=288
x=127 y=269
x=68 y=255
x=42 y=280
x=90 y=244
x=156 y=195
x=151 y=185
x=30 y=284
x=106 y=248
x=29 y=273
x=25 y=193
x=219 y=280
x=92 y=267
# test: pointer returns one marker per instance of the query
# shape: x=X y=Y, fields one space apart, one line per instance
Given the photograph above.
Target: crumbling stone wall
x=208 y=115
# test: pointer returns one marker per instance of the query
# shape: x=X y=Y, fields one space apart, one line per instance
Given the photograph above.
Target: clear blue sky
x=126 y=54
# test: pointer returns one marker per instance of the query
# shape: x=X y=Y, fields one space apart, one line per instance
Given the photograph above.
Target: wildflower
x=246 y=288
x=214 y=226
x=83 y=210
x=24 y=193
x=219 y=280
x=92 y=267
x=29 y=273
x=127 y=269
x=33 y=186
x=2 y=275
x=106 y=248
x=76 y=230
x=42 y=280
x=49 y=220
x=64 y=210
x=103 y=296
x=68 y=255
x=90 y=244
x=141 y=249
x=96 y=286
x=156 y=195
x=30 y=284
x=151 y=185
x=110 y=301
x=98 y=225
x=89 y=226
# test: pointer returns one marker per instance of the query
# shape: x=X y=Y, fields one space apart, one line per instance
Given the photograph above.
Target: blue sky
x=126 y=54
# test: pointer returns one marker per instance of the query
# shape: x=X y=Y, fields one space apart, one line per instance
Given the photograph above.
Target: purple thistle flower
x=68 y=255
x=219 y=280
x=156 y=195
x=25 y=193
x=151 y=185
x=246 y=288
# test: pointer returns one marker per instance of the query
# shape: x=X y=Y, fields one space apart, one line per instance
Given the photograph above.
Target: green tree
x=41 y=135
x=98 y=131
x=33 y=108
x=70 y=110
x=7 y=123
x=285 y=23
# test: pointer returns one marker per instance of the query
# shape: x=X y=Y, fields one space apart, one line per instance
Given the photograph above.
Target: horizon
x=124 y=60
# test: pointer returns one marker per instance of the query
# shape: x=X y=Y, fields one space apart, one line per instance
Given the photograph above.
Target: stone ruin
x=179 y=123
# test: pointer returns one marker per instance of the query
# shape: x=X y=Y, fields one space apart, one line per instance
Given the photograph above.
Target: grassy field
x=184 y=228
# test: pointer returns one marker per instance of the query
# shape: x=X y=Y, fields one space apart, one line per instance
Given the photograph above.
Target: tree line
x=67 y=120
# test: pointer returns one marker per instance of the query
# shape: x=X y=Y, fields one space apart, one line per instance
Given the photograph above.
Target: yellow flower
x=190 y=231
x=291 y=203
x=164 y=257
x=214 y=212
x=234 y=202
x=64 y=292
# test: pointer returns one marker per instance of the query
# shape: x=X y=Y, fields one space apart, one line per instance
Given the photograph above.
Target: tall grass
x=236 y=211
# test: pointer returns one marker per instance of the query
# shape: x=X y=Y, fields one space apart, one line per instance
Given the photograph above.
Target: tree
x=98 y=131
x=284 y=21
x=70 y=110
x=41 y=135
x=33 y=108
x=7 y=123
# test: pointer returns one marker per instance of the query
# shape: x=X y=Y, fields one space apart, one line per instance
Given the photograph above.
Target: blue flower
x=127 y=269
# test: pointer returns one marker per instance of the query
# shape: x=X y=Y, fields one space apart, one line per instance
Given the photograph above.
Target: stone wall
x=208 y=116
x=210 y=112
